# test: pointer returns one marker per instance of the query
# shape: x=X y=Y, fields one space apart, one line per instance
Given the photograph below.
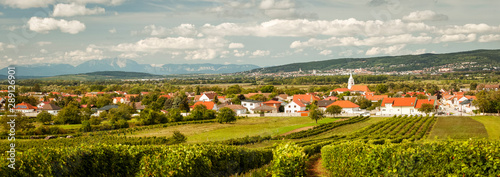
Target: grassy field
x=244 y=127
x=457 y=128
x=492 y=125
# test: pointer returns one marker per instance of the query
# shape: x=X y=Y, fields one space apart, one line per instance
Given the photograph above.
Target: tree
x=44 y=117
x=86 y=127
x=267 y=89
x=216 y=100
x=259 y=97
x=334 y=110
x=95 y=120
x=178 y=137
x=150 y=117
x=315 y=113
x=226 y=115
x=473 y=86
x=174 y=115
x=381 y=88
x=427 y=108
x=422 y=96
x=69 y=115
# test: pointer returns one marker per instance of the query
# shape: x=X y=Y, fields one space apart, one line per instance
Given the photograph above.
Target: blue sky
x=260 y=32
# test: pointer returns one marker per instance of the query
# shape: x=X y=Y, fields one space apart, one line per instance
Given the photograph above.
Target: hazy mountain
x=42 y=70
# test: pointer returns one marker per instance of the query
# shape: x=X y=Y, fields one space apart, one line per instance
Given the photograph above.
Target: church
x=352 y=88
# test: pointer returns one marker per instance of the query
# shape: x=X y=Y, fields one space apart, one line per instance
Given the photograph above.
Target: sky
x=260 y=32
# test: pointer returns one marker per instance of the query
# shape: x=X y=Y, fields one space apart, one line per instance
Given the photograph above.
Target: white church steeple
x=350 y=83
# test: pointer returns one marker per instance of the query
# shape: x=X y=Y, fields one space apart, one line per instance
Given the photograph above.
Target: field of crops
x=395 y=146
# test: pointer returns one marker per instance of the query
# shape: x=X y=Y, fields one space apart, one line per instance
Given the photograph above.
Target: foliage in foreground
x=124 y=160
x=468 y=158
x=289 y=160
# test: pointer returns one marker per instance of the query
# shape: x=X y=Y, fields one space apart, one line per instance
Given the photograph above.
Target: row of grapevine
x=325 y=127
x=469 y=158
x=125 y=160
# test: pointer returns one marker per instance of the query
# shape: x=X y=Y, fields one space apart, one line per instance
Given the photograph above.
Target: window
x=244 y=104
x=251 y=104
x=383 y=109
x=294 y=106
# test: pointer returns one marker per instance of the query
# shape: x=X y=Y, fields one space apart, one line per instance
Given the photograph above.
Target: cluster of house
x=408 y=104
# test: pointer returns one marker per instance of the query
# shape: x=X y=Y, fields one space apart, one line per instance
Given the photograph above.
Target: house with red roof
x=25 y=108
x=238 y=109
x=273 y=103
x=206 y=96
x=347 y=106
x=404 y=106
x=306 y=98
x=375 y=98
x=209 y=104
x=295 y=106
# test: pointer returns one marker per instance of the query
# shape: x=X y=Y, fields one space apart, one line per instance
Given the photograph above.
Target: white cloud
x=43 y=43
x=129 y=55
x=90 y=53
x=370 y=41
x=201 y=54
x=26 y=4
x=155 y=44
x=1 y=46
x=105 y=2
x=44 y=51
x=43 y=25
x=456 y=38
x=1 y=13
x=112 y=31
x=426 y=15
x=391 y=50
x=325 y=52
x=469 y=28
x=240 y=53
x=261 y=53
x=11 y=46
x=186 y=30
x=73 y=9
x=489 y=38
x=236 y=46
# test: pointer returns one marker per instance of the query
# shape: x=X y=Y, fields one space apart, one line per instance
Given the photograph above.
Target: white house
x=207 y=96
x=25 y=108
x=295 y=106
x=398 y=106
x=347 y=106
x=251 y=104
x=238 y=109
x=50 y=108
x=40 y=105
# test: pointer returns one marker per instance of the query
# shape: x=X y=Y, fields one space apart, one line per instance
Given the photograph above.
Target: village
x=409 y=103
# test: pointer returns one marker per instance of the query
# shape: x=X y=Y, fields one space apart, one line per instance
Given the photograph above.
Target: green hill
x=103 y=75
x=394 y=63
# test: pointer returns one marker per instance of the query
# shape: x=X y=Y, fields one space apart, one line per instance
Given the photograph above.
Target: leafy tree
x=315 y=113
x=69 y=115
x=259 y=97
x=234 y=89
x=381 y=88
x=334 y=110
x=178 y=137
x=422 y=96
x=427 y=108
x=473 y=86
x=216 y=100
x=44 y=117
x=150 y=117
x=241 y=97
x=174 y=115
x=86 y=127
x=226 y=115
x=267 y=89
x=95 y=120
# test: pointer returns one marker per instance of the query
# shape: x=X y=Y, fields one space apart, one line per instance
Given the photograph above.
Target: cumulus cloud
x=73 y=9
x=456 y=38
x=1 y=46
x=26 y=4
x=284 y=9
x=112 y=31
x=90 y=53
x=370 y=41
x=236 y=46
x=129 y=55
x=426 y=15
x=261 y=53
x=44 y=51
x=1 y=13
x=489 y=38
x=325 y=52
x=44 y=25
x=469 y=28
x=181 y=30
x=201 y=54
x=391 y=50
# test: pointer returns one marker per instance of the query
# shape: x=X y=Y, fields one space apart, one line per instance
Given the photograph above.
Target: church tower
x=350 y=83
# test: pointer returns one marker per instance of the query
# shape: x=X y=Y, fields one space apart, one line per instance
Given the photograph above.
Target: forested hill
x=394 y=63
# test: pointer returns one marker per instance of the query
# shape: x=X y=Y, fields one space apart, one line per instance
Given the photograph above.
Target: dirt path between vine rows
x=315 y=168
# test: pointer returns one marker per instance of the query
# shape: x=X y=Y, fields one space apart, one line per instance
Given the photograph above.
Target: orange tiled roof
x=24 y=105
x=340 y=90
x=344 y=104
x=399 y=101
x=306 y=98
x=299 y=103
x=363 y=88
x=272 y=102
x=331 y=98
x=376 y=97
x=208 y=104
x=424 y=101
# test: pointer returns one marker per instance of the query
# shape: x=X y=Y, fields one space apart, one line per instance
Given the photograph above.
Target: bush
x=289 y=160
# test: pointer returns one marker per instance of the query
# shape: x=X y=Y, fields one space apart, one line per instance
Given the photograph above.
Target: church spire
x=350 y=83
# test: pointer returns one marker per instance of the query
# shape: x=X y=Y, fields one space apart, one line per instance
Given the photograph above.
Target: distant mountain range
x=126 y=65
x=395 y=63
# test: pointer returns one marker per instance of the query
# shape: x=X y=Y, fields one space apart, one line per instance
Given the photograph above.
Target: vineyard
x=391 y=147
